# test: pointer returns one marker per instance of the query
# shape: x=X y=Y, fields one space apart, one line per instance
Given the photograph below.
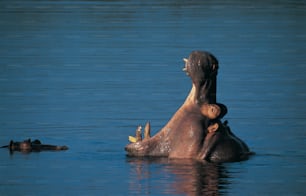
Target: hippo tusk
x=132 y=139
x=185 y=68
x=147 y=131
x=138 y=134
x=138 y=137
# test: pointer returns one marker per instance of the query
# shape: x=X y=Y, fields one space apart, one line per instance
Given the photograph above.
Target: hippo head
x=202 y=68
x=24 y=146
x=213 y=111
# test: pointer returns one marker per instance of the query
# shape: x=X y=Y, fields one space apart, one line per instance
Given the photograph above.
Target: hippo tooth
x=147 y=131
x=132 y=139
x=138 y=134
x=185 y=60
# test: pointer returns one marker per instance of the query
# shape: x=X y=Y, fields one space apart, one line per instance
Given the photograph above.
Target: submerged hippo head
x=24 y=146
x=32 y=146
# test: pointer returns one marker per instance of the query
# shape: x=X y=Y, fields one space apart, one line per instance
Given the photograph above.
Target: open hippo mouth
x=202 y=68
x=187 y=135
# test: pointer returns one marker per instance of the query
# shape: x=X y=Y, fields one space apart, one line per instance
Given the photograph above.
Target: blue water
x=86 y=73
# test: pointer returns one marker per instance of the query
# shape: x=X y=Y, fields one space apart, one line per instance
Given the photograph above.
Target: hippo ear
x=11 y=146
x=223 y=109
x=213 y=128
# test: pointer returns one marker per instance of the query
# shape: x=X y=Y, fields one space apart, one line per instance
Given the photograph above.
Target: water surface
x=86 y=73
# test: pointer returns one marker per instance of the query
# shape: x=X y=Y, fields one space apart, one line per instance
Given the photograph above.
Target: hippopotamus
x=32 y=146
x=221 y=145
x=195 y=131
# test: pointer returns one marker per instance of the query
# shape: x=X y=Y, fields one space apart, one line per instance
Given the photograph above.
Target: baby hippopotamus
x=32 y=146
x=221 y=145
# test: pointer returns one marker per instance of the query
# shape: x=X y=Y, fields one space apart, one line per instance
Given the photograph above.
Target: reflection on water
x=86 y=73
x=177 y=177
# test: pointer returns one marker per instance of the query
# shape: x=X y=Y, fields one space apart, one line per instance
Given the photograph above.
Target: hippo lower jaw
x=187 y=125
x=149 y=146
x=220 y=145
x=137 y=149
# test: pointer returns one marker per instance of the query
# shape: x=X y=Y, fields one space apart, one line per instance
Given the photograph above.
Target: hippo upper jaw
x=202 y=68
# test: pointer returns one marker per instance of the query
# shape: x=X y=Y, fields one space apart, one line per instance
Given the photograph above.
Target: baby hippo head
x=213 y=111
